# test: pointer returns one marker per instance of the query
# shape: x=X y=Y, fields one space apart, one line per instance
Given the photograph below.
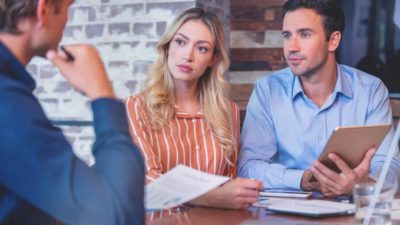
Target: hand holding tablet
x=351 y=144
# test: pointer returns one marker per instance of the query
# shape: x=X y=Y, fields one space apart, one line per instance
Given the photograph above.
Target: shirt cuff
x=109 y=115
x=292 y=178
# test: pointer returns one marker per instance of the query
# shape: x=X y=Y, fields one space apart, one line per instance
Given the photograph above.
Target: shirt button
x=194 y=120
x=319 y=139
x=197 y=147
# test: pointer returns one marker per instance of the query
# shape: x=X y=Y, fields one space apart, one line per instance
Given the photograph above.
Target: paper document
x=179 y=185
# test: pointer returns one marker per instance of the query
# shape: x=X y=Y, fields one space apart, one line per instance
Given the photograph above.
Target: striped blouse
x=186 y=140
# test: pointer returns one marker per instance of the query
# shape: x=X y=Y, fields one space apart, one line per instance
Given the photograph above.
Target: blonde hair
x=158 y=89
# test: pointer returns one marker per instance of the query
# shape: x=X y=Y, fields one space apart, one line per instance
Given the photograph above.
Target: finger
x=245 y=206
x=250 y=200
x=323 y=178
x=250 y=183
x=325 y=171
x=56 y=59
x=365 y=163
x=342 y=165
x=248 y=193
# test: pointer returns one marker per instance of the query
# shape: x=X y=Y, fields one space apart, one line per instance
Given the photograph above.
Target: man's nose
x=294 y=45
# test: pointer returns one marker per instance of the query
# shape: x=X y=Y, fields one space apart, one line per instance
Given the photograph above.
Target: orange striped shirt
x=186 y=140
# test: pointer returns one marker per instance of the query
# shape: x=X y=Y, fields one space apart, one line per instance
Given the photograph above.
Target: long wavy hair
x=158 y=88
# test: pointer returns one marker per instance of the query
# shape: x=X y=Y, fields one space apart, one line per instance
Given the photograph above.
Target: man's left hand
x=334 y=184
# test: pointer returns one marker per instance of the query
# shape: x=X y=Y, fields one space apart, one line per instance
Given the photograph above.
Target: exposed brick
x=32 y=69
x=71 y=31
x=120 y=12
x=118 y=64
x=119 y=29
x=145 y=29
x=62 y=87
x=269 y=14
x=39 y=91
x=82 y=14
x=164 y=10
x=131 y=85
x=160 y=28
x=94 y=31
x=141 y=67
x=151 y=44
x=47 y=71
x=50 y=101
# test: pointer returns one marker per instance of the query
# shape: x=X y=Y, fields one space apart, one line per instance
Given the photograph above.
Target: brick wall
x=255 y=39
x=125 y=33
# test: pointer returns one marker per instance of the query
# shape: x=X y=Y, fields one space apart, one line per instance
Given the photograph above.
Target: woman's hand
x=239 y=193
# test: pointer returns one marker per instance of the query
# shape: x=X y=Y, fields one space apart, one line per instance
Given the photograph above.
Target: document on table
x=178 y=186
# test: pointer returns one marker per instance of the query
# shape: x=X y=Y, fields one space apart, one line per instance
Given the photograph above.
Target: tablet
x=284 y=193
x=352 y=143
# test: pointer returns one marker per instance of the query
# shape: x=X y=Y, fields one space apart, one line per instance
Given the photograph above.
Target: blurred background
x=371 y=40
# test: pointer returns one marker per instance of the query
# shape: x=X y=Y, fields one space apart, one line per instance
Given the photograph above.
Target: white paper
x=178 y=186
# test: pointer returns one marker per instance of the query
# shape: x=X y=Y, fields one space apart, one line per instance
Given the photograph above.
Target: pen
x=70 y=57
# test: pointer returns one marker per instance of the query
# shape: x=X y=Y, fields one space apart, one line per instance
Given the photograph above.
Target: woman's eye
x=203 y=49
x=179 y=42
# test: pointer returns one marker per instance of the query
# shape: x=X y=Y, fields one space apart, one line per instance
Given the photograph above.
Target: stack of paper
x=179 y=186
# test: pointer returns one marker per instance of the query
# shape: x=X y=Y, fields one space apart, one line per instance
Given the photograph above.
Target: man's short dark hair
x=332 y=14
x=12 y=11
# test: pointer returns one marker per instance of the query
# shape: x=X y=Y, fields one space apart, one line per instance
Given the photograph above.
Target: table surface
x=251 y=216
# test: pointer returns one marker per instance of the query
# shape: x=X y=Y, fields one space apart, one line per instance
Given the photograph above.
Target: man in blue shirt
x=41 y=181
x=292 y=113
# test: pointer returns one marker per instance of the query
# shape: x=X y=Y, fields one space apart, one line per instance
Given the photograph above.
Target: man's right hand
x=306 y=185
x=86 y=73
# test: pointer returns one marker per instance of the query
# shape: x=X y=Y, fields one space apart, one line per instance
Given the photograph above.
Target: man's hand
x=86 y=73
x=334 y=184
x=306 y=185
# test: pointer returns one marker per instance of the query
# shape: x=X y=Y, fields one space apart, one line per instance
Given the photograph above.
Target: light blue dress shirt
x=284 y=131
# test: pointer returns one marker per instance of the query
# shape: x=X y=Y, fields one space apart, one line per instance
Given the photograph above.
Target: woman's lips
x=185 y=68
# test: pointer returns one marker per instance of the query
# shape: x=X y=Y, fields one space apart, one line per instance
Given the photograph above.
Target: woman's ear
x=216 y=58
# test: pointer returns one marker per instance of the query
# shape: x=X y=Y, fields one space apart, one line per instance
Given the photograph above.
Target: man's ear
x=334 y=41
x=42 y=12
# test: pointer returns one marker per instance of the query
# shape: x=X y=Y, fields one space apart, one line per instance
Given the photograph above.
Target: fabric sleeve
x=259 y=145
x=37 y=163
x=141 y=134
x=379 y=112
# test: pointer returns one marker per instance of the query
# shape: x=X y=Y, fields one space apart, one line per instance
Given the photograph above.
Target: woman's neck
x=186 y=97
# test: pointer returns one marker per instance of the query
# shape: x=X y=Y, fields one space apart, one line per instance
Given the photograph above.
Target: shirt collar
x=11 y=67
x=183 y=115
x=342 y=85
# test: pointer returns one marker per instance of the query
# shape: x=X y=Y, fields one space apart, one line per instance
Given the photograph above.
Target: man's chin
x=296 y=71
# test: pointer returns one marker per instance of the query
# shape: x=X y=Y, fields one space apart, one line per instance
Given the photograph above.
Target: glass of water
x=363 y=193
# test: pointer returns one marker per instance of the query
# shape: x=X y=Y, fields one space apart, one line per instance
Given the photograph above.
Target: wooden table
x=252 y=216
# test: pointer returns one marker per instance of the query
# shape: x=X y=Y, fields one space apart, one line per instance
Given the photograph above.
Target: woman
x=183 y=115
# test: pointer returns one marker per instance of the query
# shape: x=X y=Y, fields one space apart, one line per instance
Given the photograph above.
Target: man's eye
x=305 y=34
x=286 y=36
